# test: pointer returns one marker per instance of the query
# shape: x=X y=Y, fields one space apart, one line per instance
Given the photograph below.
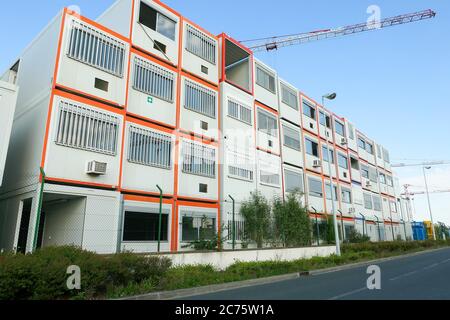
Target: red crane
x=273 y=43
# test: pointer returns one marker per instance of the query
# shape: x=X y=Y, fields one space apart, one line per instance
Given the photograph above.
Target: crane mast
x=274 y=43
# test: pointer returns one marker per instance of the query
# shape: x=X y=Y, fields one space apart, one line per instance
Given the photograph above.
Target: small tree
x=356 y=237
x=256 y=213
x=292 y=222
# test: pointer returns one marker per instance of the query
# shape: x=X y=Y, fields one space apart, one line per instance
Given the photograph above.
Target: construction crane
x=422 y=164
x=274 y=43
x=413 y=193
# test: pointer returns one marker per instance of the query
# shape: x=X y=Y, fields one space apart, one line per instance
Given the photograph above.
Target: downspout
x=233 y=228
x=364 y=222
x=160 y=217
x=39 y=209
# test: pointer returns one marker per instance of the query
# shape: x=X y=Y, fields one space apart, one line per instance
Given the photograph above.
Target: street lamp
x=332 y=96
x=428 y=198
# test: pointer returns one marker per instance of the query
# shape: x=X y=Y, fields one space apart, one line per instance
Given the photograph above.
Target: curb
x=180 y=293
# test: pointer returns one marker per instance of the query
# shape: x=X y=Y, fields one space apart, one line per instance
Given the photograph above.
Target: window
x=293 y=181
x=373 y=176
x=339 y=128
x=393 y=205
x=84 y=128
x=354 y=163
x=342 y=161
x=143 y=226
x=96 y=49
x=369 y=147
x=199 y=159
x=328 y=192
x=382 y=178
x=101 y=84
x=325 y=154
x=267 y=123
x=367 y=201
x=153 y=80
x=346 y=195
x=289 y=97
x=239 y=111
x=351 y=131
x=150 y=148
x=203 y=188
x=240 y=166
x=312 y=147
x=376 y=203
x=291 y=138
x=197 y=226
x=270 y=178
x=200 y=99
x=155 y=20
x=386 y=155
x=324 y=119
x=365 y=171
x=309 y=111
x=389 y=180
x=265 y=79
x=200 y=44
x=379 y=154
x=315 y=188
x=361 y=143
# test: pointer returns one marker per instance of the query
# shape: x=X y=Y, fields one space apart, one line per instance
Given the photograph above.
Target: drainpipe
x=160 y=217
x=378 y=227
x=39 y=209
x=317 y=226
x=342 y=225
x=392 y=229
x=233 y=228
x=364 y=222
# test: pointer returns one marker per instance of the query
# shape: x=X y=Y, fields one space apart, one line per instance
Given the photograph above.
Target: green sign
x=150 y=99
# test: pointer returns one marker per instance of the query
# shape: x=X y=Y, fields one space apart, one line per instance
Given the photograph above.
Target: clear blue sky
x=392 y=83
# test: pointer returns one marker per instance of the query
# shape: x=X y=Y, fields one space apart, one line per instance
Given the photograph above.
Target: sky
x=391 y=83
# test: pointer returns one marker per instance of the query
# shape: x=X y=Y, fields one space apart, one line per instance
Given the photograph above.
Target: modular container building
x=143 y=103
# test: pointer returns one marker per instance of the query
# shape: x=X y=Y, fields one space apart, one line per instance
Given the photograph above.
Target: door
x=24 y=225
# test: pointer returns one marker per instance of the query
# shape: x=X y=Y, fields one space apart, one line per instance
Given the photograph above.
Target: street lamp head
x=330 y=96
x=428 y=168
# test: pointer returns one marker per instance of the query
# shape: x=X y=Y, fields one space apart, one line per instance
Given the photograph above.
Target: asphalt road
x=423 y=276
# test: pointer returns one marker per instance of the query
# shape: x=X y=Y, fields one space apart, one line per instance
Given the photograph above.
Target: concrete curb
x=180 y=293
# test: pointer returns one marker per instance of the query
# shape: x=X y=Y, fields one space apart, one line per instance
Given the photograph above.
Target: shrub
x=256 y=213
x=356 y=237
x=42 y=275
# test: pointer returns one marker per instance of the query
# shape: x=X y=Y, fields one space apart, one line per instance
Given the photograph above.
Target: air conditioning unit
x=344 y=141
x=351 y=210
x=317 y=163
x=368 y=184
x=96 y=168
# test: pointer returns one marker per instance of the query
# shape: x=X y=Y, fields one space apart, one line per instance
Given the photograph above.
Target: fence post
x=233 y=227
x=39 y=209
x=160 y=217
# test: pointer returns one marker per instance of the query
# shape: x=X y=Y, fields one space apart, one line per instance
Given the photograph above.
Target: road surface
x=422 y=276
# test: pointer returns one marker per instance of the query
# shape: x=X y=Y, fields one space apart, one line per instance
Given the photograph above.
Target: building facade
x=144 y=103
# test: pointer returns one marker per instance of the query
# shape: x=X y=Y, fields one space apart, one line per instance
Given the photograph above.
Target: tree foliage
x=292 y=224
x=256 y=213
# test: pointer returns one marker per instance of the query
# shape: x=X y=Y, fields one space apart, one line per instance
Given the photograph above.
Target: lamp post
x=332 y=96
x=429 y=203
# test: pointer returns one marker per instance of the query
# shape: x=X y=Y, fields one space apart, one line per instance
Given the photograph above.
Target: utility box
x=8 y=98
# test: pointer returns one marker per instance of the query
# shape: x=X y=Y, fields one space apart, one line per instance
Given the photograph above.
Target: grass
x=180 y=277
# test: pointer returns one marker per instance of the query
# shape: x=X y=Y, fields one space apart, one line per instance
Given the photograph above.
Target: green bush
x=356 y=237
x=42 y=275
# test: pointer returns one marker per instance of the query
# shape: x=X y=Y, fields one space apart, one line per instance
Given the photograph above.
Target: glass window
x=267 y=123
x=328 y=191
x=373 y=176
x=367 y=201
x=354 y=163
x=309 y=111
x=311 y=147
x=393 y=206
x=386 y=155
x=339 y=127
x=289 y=97
x=369 y=147
x=376 y=203
x=365 y=171
x=342 y=161
x=197 y=226
x=291 y=138
x=293 y=181
x=315 y=187
x=155 y=20
x=362 y=143
x=382 y=178
x=346 y=195
x=389 y=180
x=324 y=119
x=143 y=226
x=351 y=130
x=265 y=79
x=325 y=155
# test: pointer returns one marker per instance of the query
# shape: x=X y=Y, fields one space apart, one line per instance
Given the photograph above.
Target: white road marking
x=347 y=294
x=431 y=266
x=404 y=275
